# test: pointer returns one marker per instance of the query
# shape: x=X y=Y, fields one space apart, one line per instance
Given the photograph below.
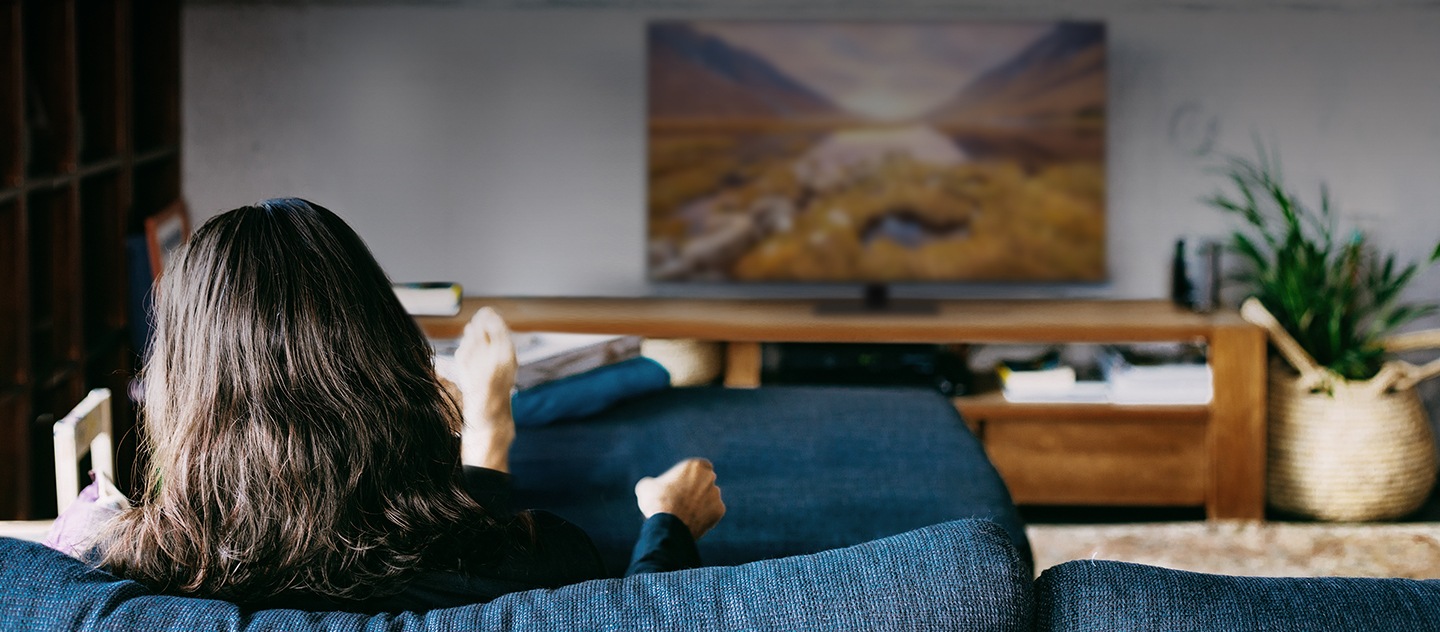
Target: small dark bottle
x=1181 y=292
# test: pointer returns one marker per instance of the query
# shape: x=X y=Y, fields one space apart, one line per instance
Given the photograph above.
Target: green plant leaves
x=1338 y=298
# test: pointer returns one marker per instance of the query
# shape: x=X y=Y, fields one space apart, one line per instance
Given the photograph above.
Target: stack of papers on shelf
x=429 y=298
x=1146 y=386
x=1135 y=379
x=547 y=356
x=1139 y=374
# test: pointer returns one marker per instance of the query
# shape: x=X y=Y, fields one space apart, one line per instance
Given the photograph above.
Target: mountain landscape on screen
x=876 y=152
x=693 y=76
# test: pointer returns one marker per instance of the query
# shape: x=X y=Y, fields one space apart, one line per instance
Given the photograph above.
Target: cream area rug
x=1272 y=549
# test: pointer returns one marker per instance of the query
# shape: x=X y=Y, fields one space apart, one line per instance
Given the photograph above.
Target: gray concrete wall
x=500 y=144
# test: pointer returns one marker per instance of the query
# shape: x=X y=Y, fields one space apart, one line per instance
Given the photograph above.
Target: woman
x=305 y=454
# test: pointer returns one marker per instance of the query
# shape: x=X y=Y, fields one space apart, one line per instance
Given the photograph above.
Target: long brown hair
x=301 y=441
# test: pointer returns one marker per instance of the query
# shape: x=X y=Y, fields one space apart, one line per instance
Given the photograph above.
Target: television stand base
x=877 y=302
x=841 y=307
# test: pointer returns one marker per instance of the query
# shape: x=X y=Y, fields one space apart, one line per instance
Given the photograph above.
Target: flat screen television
x=876 y=152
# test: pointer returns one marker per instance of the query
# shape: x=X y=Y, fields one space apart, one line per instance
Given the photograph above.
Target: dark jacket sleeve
x=490 y=488
x=665 y=544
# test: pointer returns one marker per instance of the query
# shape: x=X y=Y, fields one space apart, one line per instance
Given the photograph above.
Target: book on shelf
x=1041 y=379
x=1050 y=379
x=1079 y=392
x=429 y=298
x=543 y=357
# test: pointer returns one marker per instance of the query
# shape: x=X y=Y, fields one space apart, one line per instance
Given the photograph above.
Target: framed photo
x=164 y=233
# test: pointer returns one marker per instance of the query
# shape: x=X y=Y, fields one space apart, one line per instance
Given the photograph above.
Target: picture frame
x=165 y=232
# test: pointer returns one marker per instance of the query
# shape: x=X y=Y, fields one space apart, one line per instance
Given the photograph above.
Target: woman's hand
x=687 y=491
x=486 y=359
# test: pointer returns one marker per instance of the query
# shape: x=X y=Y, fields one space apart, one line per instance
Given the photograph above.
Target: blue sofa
x=955 y=576
x=960 y=575
x=1093 y=595
x=850 y=509
x=802 y=469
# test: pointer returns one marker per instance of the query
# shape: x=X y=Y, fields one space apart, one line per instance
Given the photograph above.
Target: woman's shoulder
x=538 y=549
x=547 y=550
x=532 y=549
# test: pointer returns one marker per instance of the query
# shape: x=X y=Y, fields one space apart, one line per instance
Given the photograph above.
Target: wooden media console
x=1065 y=454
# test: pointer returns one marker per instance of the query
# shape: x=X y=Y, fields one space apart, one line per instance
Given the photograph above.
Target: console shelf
x=1080 y=454
x=993 y=404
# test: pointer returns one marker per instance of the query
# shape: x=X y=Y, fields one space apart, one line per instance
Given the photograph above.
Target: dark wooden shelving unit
x=89 y=147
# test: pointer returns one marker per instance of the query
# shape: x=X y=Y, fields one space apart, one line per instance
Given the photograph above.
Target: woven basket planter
x=1350 y=455
x=1343 y=450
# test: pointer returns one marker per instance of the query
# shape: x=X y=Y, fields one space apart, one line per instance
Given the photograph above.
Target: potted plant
x=1348 y=436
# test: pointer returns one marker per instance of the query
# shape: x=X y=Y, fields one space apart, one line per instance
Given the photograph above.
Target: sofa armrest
x=958 y=575
x=1106 y=595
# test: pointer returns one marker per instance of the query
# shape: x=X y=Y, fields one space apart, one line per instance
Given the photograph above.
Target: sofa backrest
x=958 y=575
x=1104 y=595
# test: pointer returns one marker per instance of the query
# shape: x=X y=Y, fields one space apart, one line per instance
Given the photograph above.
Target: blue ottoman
x=802 y=469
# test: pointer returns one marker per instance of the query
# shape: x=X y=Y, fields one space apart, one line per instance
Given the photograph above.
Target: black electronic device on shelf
x=928 y=365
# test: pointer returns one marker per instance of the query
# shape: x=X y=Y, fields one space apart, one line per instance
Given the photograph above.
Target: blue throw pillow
x=589 y=392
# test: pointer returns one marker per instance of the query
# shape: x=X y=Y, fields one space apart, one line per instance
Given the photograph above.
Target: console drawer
x=1099 y=461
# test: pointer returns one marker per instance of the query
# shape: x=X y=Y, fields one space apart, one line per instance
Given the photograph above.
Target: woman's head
x=300 y=440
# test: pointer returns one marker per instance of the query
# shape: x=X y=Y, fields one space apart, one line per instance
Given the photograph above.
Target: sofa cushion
x=1103 y=595
x=958 y=575
x=802 y=469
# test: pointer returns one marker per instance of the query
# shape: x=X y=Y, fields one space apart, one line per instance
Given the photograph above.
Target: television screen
x=876 y=151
